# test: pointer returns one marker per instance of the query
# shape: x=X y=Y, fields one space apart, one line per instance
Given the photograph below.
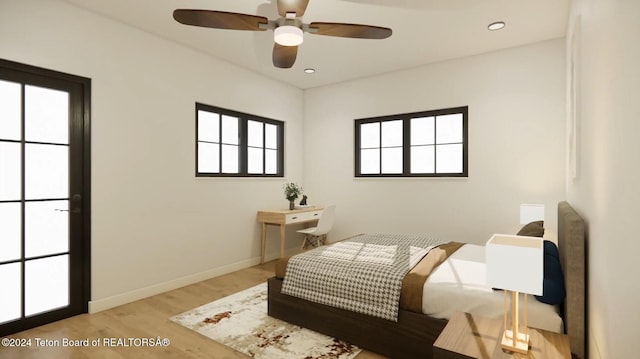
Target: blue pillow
x=550 y=248
x=553 y=282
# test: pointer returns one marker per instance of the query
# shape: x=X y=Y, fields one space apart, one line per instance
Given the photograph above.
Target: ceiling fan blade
x=284 y=56
x=219 y=19
x=350 y=30
x=297 y=6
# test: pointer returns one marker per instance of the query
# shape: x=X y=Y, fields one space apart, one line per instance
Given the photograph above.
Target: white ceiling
x=424 y=31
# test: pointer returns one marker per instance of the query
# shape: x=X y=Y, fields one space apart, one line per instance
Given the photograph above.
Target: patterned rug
x=240 y=321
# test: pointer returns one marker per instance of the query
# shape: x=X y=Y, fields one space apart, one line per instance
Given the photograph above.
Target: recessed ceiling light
x=309 y=70
x=496 y=25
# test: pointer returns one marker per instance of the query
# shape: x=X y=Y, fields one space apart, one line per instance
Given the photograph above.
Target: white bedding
x=459 y=284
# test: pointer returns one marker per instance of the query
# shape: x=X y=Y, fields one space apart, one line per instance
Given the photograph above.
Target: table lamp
x=515 y=264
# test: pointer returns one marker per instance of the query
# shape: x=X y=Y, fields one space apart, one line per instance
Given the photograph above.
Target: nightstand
x=469 y=336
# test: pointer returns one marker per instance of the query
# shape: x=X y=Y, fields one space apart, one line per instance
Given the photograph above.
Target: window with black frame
x=235 y=144
x=420 y=144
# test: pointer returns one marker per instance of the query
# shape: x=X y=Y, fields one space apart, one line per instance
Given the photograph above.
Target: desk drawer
x=315 y=215
x=302 y=217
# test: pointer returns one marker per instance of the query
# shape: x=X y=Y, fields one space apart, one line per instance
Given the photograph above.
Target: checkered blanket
x=362 y=274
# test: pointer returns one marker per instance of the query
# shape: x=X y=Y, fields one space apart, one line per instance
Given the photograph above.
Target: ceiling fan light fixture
x=288 y=35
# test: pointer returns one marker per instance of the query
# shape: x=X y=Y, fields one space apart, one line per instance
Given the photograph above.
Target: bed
x=413 y=335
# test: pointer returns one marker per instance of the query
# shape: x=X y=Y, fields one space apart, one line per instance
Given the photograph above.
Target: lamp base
x=521 y=344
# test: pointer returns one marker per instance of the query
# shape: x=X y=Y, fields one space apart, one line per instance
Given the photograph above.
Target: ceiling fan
x=288 y=29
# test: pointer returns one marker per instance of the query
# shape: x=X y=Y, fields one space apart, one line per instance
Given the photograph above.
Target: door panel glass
x=10 y=115
x=10 y=232
x=46 y=171
x=11 y=298
x=10 y=171
x=46 y=115
x=46 y=284
x=46 y=228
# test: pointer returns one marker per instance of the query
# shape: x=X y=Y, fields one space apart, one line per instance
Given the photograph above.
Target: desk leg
x=264 y=241
x=282 y=230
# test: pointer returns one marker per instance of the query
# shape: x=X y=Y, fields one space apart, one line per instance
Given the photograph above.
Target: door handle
x=75 y=210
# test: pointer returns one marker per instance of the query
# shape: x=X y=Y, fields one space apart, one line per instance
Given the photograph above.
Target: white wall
x=605 y=190
x=516 y=138
x=154 y=225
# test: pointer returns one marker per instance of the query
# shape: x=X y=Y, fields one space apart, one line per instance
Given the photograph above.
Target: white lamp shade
x=531 y=212
x=515 y=263
x=288 y=35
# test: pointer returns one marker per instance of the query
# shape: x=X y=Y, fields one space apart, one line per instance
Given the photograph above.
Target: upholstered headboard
x=572 y=247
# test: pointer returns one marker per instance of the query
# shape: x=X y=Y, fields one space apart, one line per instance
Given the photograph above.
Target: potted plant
x=291 y=192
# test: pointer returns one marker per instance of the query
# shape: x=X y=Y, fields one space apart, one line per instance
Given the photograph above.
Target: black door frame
x=82 y=113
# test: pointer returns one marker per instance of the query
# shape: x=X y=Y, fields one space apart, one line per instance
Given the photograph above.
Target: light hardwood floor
x=147 y=318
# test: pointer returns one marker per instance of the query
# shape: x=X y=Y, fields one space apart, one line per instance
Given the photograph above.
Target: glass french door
x=44 y=234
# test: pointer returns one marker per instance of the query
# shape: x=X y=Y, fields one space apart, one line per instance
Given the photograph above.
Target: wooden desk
x=472 y=336
x=283 y=218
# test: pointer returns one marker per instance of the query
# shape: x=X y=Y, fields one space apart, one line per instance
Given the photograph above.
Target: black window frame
x=243 y=147
x=406 y=143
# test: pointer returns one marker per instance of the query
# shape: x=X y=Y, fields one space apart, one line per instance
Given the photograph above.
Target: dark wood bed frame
x=413 y=335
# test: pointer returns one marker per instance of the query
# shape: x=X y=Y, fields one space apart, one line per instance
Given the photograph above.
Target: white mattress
x=459 y=284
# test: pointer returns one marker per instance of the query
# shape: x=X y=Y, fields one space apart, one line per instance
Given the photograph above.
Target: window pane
x=449 y=129
x=392 y=160
x=271 y=136
x=9 y=233
x=370 y=161
x=208 y=126
x=254 y=134
x=10 y=113
x=11 y=298
x=46 y=284
x=46 y=228
x=46 y=171
x=392 y=133
x=370 y=135
x=208 y=157
x=229 y=130
x=434 y=144
x=422 y=131
x=229 y=159
x=422 y=159
x=255 y=160
x=46 y=115
x=449 y=158
x=10 y=173
x=271 y=162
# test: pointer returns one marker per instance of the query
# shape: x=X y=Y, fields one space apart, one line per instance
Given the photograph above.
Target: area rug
x=240 y=321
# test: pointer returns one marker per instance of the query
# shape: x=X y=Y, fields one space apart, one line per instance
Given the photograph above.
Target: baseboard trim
x=99 y=305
